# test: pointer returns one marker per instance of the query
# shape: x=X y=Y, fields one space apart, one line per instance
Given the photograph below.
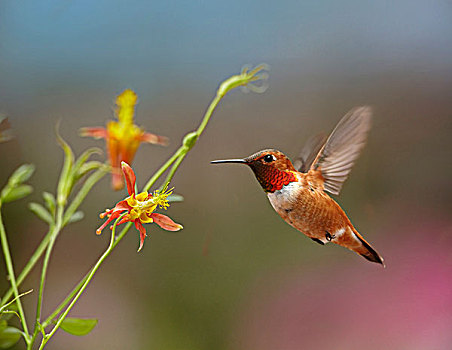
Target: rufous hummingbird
x=298 y=191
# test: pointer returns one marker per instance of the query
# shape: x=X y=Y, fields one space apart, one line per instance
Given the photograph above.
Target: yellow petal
x=145 y=219
x=126 y=107
x=142 y=196
x=128 y=98
x=132 y=201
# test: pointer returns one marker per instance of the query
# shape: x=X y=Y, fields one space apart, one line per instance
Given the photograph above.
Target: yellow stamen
x=143 y=207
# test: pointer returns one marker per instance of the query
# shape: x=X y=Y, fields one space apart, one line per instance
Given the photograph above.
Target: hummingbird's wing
x=340 y=151
x=309 y=152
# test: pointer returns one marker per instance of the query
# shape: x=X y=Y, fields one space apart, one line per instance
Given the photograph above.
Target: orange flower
x=123 y=137
x=140 y=208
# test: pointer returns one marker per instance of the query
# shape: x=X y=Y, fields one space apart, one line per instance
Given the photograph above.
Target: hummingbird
x=298 y=191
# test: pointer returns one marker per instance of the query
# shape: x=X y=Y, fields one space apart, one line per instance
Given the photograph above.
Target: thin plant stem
x=176 y=158
x=29 y=266
x=12 y=278
x=2 y=309
x=84 y=190
x=45 y=265
x=76 y=289
x=209 y=113
x=85 y=284
x=174 y=168
x=65 y=302
x=183 y=150
x=162 y=169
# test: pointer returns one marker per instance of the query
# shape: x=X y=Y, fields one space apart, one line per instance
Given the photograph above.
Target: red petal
x=165 y=222
x=113 y=152
x=113 y=216
x=116 y=180
x=96 y=132
x=142 y=230
x=155 y=139
x=127 y=150
x=129 y=176
x=113 y=156
x=124 y=219
x=122 y=205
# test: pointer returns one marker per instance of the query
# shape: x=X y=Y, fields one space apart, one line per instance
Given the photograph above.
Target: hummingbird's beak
x=240 y=161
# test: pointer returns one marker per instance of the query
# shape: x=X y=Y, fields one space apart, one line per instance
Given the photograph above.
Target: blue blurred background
x=238 y=277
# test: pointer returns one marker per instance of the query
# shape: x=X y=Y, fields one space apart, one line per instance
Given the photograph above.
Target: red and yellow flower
x=139 y=208
x=123 y=137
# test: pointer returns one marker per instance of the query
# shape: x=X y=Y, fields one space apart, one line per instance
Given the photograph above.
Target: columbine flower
x=123 y=137
x=139 y=208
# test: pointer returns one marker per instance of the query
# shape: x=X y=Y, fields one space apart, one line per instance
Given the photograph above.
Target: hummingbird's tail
x=366 y=250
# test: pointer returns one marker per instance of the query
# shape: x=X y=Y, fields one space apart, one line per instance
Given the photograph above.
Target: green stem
x=174 y=168
x=84 y=190
x=162 y=169
x=56 y=230
x=183 y=150
x=86 y=282
x=66 y=301
x=74 y=291
x=176 y=156
x=209 y=113
x=12 y=278
x=177 y=159
x=30 y=264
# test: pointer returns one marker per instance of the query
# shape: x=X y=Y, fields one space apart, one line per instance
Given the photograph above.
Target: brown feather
x=336 y=158
x=309 y=152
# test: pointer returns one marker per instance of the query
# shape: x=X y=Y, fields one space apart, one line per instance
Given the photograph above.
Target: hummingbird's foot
x=329 y=237
x=317 y=240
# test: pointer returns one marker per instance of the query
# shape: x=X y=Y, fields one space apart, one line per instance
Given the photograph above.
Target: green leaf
x=66 y=177
x=22 y=174
x=77 y=216
x=3 y=325
x=78 y=326
x=49 y=198
x=86 y=168
x=9 y=336
x=10 y=194
x=83 y=192
x=41 y=212
x=85 y=156
x=14 y=189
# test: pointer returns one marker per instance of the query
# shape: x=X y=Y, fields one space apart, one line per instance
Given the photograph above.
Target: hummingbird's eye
x=269 y=158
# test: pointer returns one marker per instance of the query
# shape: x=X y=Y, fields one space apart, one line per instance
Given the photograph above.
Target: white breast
x=283 y=198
